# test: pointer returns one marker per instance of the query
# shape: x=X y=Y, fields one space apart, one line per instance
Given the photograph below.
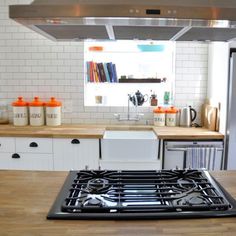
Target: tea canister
x=53 y=112
x=159 y=116
x=36 y=108
x=171 y=116
x=20 y=112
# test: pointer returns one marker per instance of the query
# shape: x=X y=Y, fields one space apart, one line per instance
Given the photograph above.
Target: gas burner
x=196 y=200
x=191 y=199
x=94 y=202
x=97 y=186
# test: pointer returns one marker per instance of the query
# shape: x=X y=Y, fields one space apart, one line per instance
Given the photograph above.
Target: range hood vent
x=182 y=20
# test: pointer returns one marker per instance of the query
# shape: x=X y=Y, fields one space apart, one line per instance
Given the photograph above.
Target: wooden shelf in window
x=147 y=80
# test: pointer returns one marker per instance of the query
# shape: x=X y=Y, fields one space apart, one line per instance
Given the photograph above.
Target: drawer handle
x=75 y=141
x=15 y=155
x=33 y=144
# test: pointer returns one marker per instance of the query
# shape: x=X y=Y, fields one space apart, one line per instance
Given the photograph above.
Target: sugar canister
x=20 y=112
x=171 y=116
x=159 y=116
x=53 y=112
x=36 y=108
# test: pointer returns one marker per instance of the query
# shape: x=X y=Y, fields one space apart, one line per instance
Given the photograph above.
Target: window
x=111 y=66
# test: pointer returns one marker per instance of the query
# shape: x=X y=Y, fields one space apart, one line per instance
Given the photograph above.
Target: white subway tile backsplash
x=31 y=65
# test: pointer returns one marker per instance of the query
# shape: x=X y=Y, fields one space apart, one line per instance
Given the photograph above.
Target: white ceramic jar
x=159 y=116
x=36 y=109
x=20 y=112
x=171 y=116
x=53 y=112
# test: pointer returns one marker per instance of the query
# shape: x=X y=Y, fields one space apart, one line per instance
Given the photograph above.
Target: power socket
x=67 y=107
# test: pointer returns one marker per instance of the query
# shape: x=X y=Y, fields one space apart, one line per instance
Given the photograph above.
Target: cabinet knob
x=33 y=144
x=15 y=155
x=75 y=141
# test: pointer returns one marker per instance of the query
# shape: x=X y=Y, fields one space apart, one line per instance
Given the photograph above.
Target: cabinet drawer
x=34 y=145
x=7 y=144
x=26 y=161
x=35 y=161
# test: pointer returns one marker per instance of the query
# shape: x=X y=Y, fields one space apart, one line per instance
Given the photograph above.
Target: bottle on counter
x=153 y=100
x=159 y=116
x=4 y=112
x=20 y=112
x=36 y=109
x=171 y=116
x=166 y=98
x=53 y=112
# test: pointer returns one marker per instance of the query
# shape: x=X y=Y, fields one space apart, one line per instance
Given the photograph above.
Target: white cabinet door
x=29 y=161
x=7 y=148
x=7 y=144
x=5 y=160
x=26 y=153
x=34 y=145
x=75 y=153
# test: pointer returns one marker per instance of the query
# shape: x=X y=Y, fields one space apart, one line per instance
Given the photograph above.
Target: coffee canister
x=20 y=112
x=36 y=108
x=171 y=116
x=159 y=116
x=53 y=112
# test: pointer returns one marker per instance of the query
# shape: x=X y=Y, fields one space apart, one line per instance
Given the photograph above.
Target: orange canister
x=53 y=112
x=20 y=112
x=171 y=116
x=159 y=116
x=36 y=108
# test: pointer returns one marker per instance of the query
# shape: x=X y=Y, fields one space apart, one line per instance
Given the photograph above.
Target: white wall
x=32 y=65
x=191 y=75
x=217 y=78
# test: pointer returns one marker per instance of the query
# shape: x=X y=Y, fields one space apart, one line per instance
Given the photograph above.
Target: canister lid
x=36 y=103
x=159 y=110
x=20 y=103
x=172 y=109
x=53 y=103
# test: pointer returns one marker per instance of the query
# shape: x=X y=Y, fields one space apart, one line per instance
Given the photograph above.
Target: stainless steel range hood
x=182 y=20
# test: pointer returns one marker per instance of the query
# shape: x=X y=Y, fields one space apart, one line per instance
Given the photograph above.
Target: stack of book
x=101 y=72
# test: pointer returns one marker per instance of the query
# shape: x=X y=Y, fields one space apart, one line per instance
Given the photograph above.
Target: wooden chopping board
x=209 y=117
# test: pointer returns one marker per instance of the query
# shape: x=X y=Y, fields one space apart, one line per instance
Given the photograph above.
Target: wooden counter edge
x=97 y=131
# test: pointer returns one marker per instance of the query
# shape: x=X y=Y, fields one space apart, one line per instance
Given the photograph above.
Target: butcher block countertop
x=97 y=131
x=26 y=197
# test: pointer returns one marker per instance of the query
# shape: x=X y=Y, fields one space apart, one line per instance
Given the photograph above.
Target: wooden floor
x=26 y=196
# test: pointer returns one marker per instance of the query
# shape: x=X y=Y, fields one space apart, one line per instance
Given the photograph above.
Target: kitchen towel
x=201 y=157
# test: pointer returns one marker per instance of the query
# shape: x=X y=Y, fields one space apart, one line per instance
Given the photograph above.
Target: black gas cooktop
x=141 y=195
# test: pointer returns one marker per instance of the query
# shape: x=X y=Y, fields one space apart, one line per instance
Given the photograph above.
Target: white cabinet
x=75 y=153
x=26 y=153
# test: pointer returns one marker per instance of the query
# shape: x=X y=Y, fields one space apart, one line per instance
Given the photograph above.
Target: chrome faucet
x=129 y=118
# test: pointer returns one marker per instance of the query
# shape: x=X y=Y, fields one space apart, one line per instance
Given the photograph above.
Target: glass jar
x=4 y=113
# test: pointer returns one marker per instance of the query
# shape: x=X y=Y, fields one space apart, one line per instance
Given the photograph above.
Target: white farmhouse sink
x=129 y=145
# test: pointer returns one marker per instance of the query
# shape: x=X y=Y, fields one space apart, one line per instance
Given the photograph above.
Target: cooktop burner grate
x=141 y=194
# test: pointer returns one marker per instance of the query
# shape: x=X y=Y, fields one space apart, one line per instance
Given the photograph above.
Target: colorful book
x=88 y=71
x=102 y=72
x=114 y=73
x=110 y=69
x=95 y=72
x=106 y=72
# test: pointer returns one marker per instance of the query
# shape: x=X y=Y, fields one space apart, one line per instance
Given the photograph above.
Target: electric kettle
x=187 y=116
